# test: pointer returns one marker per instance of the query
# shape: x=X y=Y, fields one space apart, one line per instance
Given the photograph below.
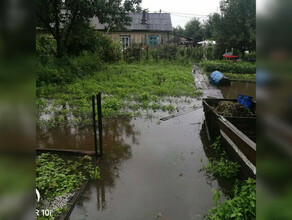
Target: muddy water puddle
x=150 y=171
x=238 y=88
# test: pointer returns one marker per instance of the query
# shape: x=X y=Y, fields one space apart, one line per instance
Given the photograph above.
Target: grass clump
x=56 y=177
x=222 y=168
x=241 y=77
x=241 y=207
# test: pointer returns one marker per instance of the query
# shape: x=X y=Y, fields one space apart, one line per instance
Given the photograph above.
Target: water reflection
x=116 y=134
x=238 y=88
x=75 y=138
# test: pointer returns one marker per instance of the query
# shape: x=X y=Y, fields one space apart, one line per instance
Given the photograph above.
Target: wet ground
x=151 y=168
x=150 y=171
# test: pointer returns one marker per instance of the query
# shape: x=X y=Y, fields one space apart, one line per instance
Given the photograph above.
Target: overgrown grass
x=228 y=67
x=241 y=77
x=126 y=88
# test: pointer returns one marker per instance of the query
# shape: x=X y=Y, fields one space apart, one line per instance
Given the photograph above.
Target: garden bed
x=58 y=179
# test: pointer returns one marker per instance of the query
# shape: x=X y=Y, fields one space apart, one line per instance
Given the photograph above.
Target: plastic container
x=245 y=100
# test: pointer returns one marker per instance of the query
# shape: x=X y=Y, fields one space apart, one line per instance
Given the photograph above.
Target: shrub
x=66 y=69
x=168 y=52
x=45 y=48
x=132 y=53
x=242 y=206
x=250 y=57
x=52 y=74
x=87 y=39
x=223 y=168
x=226 y=67
x=86 y=63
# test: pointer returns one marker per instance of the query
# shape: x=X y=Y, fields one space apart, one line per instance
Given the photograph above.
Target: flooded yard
x=150 y=171
x=150 y=168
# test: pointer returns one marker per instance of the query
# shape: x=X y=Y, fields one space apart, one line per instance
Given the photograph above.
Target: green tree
x=194 y=30
x=211 y=26
x=235 y=27
x=61 y=17
x=240 y=23
x=178 y=31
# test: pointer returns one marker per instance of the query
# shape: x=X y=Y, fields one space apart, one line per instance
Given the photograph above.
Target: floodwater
x=238 y=88
x=150 y=171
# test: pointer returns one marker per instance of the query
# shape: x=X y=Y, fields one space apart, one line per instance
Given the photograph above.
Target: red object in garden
x=229 y=56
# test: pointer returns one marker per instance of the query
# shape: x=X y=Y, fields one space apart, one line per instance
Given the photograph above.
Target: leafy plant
x=217 y=145
x=112 y=103
x=241 y=207
x=56 y=176
x=222 y=168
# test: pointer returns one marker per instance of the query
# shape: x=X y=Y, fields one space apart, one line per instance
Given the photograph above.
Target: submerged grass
x=127 y=89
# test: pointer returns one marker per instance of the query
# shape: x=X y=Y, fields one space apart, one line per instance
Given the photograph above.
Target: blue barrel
x=245 y=100
x=217 y=78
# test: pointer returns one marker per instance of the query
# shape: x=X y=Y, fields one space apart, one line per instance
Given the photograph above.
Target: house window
x=153 y=40
x=125 y=41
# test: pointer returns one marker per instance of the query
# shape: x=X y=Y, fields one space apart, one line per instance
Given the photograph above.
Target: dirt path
x=202 y=83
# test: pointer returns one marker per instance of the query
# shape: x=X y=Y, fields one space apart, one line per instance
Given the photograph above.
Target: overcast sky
x=183 y=10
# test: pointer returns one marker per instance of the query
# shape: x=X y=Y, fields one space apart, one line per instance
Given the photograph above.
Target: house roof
x=154 y=22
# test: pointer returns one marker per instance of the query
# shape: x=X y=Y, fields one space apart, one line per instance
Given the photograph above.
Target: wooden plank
x=246 y=145
x=73 y=201
x=247 y=167
x=179 y=114
x=67 y=151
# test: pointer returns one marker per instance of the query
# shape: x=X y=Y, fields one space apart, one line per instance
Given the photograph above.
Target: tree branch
x=70 y=27
x=47 y=24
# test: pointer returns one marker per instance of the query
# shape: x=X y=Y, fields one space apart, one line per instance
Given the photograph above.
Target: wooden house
x=152 y=29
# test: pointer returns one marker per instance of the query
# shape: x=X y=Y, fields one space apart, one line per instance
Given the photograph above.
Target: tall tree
x=178 y=31
x=240 y=22
x=60 y=17
x=194 y=30
x=235 y=27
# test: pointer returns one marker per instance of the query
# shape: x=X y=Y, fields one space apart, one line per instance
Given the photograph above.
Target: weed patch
x=222 y=168
x=58 y=177
x=241 y=207
x=136 y=86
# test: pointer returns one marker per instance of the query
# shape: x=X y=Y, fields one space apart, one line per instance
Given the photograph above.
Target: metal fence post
x=99 y=112
x=94 y=124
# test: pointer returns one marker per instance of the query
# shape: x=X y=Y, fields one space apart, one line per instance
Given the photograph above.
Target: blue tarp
x=217 y=78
